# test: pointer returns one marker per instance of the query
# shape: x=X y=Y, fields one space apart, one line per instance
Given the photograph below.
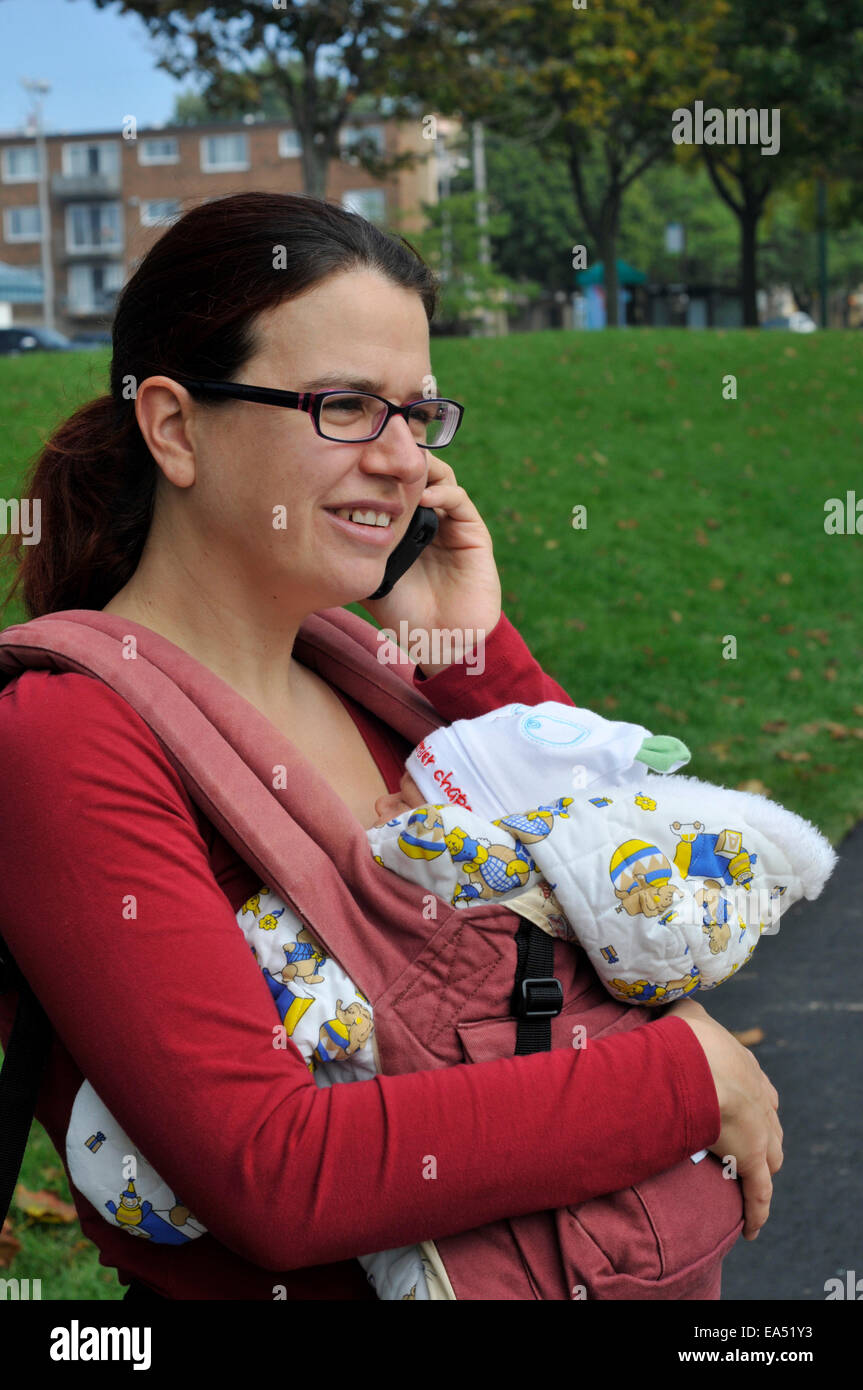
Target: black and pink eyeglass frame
x=312 y=402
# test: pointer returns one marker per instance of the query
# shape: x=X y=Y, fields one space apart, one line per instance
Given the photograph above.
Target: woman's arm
x=504 y=671
x=109 y=904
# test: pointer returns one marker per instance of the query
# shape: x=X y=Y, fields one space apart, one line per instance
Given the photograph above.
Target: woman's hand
x=748 y=1105
x=454 y=584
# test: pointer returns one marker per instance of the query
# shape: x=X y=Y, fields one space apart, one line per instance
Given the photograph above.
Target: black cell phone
x=422 y=530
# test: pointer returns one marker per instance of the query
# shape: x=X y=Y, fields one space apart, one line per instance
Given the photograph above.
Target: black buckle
x=524 y=1009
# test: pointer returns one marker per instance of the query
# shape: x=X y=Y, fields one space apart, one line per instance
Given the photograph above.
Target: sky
x=101 y=66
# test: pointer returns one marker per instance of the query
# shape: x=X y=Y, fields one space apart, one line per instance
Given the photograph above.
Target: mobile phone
x=422 y=529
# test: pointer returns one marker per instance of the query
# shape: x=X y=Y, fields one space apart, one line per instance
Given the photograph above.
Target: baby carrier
x=463 y=987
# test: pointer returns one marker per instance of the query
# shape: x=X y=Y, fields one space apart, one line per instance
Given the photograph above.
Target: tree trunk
x=748 y=239
x=315 y=160
x=608 y=252
x=612 y=287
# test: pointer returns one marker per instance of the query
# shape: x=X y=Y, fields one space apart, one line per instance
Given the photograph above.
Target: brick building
x=110 y=197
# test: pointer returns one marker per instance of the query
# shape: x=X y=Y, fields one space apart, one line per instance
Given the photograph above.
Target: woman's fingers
x=757 y=1191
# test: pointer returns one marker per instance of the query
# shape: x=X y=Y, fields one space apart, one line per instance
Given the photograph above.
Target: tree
x=315 y=59
x=802 y=60
x=611 y=75
x=449 y=242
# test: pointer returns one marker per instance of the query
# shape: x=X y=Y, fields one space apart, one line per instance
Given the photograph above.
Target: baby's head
x=395 y=803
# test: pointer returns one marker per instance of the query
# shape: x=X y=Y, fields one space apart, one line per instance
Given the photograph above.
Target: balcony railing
x=100 y=302
x=86 y=185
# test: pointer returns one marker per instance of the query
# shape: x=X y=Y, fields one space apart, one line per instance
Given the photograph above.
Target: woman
x=158 y=505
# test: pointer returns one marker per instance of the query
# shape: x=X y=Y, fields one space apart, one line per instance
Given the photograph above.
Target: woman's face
x=266 y=483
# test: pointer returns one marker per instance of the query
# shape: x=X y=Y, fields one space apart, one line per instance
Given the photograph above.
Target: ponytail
x=94 y=484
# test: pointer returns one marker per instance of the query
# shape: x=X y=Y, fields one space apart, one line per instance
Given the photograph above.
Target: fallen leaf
x=795 y=674
x=830 y=673
x=719 y=751
x=677 y=714
x=552 y=545
x=785 y=629
x=9 y=1246
x=700 y=537
x=716 y=583
x=44 y=1206
x=788 y=757
x=792 y=651
x=774 y=726
x=629 y=524
x=753 y=785
x=784 y=578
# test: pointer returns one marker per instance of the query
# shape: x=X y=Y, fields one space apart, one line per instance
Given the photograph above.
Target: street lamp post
x=38 y=88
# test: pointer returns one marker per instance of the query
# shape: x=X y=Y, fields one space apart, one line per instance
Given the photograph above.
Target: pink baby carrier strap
x=440 y=985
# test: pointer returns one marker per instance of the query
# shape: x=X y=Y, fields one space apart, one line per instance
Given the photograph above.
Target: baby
x=666 y=882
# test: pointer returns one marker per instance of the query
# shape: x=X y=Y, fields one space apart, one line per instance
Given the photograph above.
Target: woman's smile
x=372 y=534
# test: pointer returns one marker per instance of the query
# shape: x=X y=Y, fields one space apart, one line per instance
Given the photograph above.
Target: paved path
x=804 y=987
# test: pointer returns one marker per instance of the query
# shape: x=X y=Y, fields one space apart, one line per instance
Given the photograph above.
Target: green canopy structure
x=626 y=275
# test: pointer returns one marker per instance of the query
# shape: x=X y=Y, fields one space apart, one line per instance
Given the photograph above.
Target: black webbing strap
x=20 y=1077
x=538 y=994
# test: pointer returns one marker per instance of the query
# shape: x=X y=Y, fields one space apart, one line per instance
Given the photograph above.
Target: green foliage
x=450 y=243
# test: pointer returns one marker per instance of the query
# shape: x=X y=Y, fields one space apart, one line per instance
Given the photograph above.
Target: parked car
x=15 y=341
x=795 y=323
x=92 y=338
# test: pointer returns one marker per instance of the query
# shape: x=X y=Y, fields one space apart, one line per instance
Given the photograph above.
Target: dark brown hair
x=187 y=310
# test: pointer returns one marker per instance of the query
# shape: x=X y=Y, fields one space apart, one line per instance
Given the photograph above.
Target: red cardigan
x=174 y=1007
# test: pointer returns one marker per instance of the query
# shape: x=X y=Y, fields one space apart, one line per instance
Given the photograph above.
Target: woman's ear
x=165 y=414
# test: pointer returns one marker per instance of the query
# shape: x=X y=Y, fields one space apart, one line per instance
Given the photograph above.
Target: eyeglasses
x=348 y=416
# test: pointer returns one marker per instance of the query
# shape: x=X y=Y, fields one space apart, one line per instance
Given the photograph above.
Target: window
x=370 y=203
x=86 y=158
x=22 y=224
x=93 y=288
x=159 y=212
x=20 y=164
x=222 y=153
x=158 y=150
x=290 y=144
x=93 y=227
x=351 y=136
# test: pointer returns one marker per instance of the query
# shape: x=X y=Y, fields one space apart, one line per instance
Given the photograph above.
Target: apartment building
x=110 y=196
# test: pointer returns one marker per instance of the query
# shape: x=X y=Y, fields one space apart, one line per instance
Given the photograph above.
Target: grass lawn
x=705 y=523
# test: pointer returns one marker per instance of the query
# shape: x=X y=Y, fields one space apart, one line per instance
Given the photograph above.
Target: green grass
x=705 y=519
